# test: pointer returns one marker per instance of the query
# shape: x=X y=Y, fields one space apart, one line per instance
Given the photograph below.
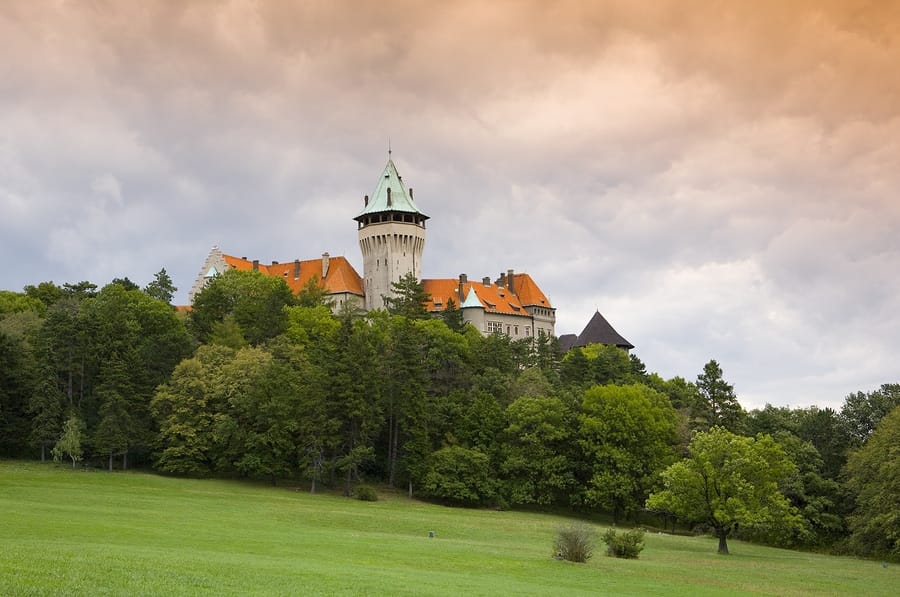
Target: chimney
x=274 y=262
x=486 y=281
x=325 y=263
x=389 y=196
x=501 y=282
x=509 y=281
x=296 y=269
x=410 y=194
x=366 y=201
x=462 y=282
x=256 y=265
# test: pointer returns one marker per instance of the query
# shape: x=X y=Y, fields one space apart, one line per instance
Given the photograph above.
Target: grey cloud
x=718 y=179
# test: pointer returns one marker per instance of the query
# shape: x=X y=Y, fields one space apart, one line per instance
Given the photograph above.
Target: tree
x=816 y=498
x=256 y=301
x=16 y=383
x=874 y=474
x=117 y=429
x=125 y=283
x=409 y=298
x=161 y=288
x=46 y=409
x=864 y=410
x=186 y=409
x=728 y=480
x=627 y=434
x=46 y=292
x=453 y=316
x=353 y=399
x=537 y=451
x=459 y=475
x=828 y=432
x=609 y=364
x=717 y=404
x=69 y=443
x=314 y=294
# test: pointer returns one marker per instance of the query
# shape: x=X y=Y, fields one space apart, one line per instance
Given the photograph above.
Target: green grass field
x=65 y=532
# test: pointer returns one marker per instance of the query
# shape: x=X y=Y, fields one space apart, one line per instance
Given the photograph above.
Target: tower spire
x=389 y=148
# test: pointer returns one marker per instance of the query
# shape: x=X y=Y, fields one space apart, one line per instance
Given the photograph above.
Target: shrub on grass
x=574 y=543
x=366 y=493
x=627 y=545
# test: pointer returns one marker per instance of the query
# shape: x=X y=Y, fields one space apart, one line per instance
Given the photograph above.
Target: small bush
x=627 y=545
x=574 y=543
x=366 y=493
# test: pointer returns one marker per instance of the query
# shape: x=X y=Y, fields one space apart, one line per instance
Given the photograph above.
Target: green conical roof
x=400 y=199
x=471 y=300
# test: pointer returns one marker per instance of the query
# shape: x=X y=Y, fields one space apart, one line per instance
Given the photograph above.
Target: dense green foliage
x=256 y=382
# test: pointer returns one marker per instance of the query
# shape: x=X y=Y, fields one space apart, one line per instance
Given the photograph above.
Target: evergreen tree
x=161 y=288
x=409 y=298
x=717 y=404
x=453 y=316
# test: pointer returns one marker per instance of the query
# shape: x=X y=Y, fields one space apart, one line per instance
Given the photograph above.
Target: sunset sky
x=720 y=179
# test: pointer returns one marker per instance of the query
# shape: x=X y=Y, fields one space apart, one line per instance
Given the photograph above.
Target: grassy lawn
x=94 y=533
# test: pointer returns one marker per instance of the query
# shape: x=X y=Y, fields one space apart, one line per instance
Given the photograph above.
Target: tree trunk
x=410 y=489
x=110 y=462
x=125 y=461
x=43 y=452
x=73 y=463
x=723 y=540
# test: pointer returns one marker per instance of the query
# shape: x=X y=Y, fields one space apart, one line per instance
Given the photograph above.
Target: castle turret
x=391 y=232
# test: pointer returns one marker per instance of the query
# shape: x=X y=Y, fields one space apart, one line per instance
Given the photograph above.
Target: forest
x=259 y=383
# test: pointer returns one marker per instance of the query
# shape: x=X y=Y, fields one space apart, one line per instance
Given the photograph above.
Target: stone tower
x=391 y=232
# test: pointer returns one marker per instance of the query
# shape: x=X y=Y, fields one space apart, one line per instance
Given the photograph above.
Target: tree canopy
x=729 y=480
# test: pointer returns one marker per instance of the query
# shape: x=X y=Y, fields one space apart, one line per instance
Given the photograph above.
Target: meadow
x=89 y=532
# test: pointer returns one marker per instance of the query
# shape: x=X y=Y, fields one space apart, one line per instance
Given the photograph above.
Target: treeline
x=258 y=382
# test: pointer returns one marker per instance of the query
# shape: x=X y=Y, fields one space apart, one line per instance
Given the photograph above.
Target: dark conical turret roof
x=598 y=331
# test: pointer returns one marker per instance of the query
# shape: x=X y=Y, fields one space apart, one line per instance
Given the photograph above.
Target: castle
x=391 y=233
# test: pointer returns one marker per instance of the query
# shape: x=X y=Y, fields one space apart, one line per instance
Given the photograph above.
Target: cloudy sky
x=720 y=179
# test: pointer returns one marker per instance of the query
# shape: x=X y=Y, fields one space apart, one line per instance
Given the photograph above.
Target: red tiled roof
x=528 y=291
x=341 y=277
x=494 y=298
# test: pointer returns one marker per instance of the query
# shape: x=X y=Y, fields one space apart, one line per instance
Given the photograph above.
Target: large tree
x=537 y=451
x=254 y=300
x=874 y=474
x=729 y=480
x=627 y=435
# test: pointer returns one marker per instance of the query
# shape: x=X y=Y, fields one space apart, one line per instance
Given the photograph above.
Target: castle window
x=494 y=327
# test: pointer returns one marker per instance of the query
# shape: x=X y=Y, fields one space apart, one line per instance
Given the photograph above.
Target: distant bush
x=365 y=493
x=627 y=545
x=574 y=543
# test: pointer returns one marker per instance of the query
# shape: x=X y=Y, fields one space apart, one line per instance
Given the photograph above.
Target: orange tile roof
x=341 y=277
x=494 y=298
x=528 y=291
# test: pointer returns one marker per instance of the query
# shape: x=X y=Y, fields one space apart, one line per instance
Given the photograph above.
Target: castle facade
x=391 y=234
